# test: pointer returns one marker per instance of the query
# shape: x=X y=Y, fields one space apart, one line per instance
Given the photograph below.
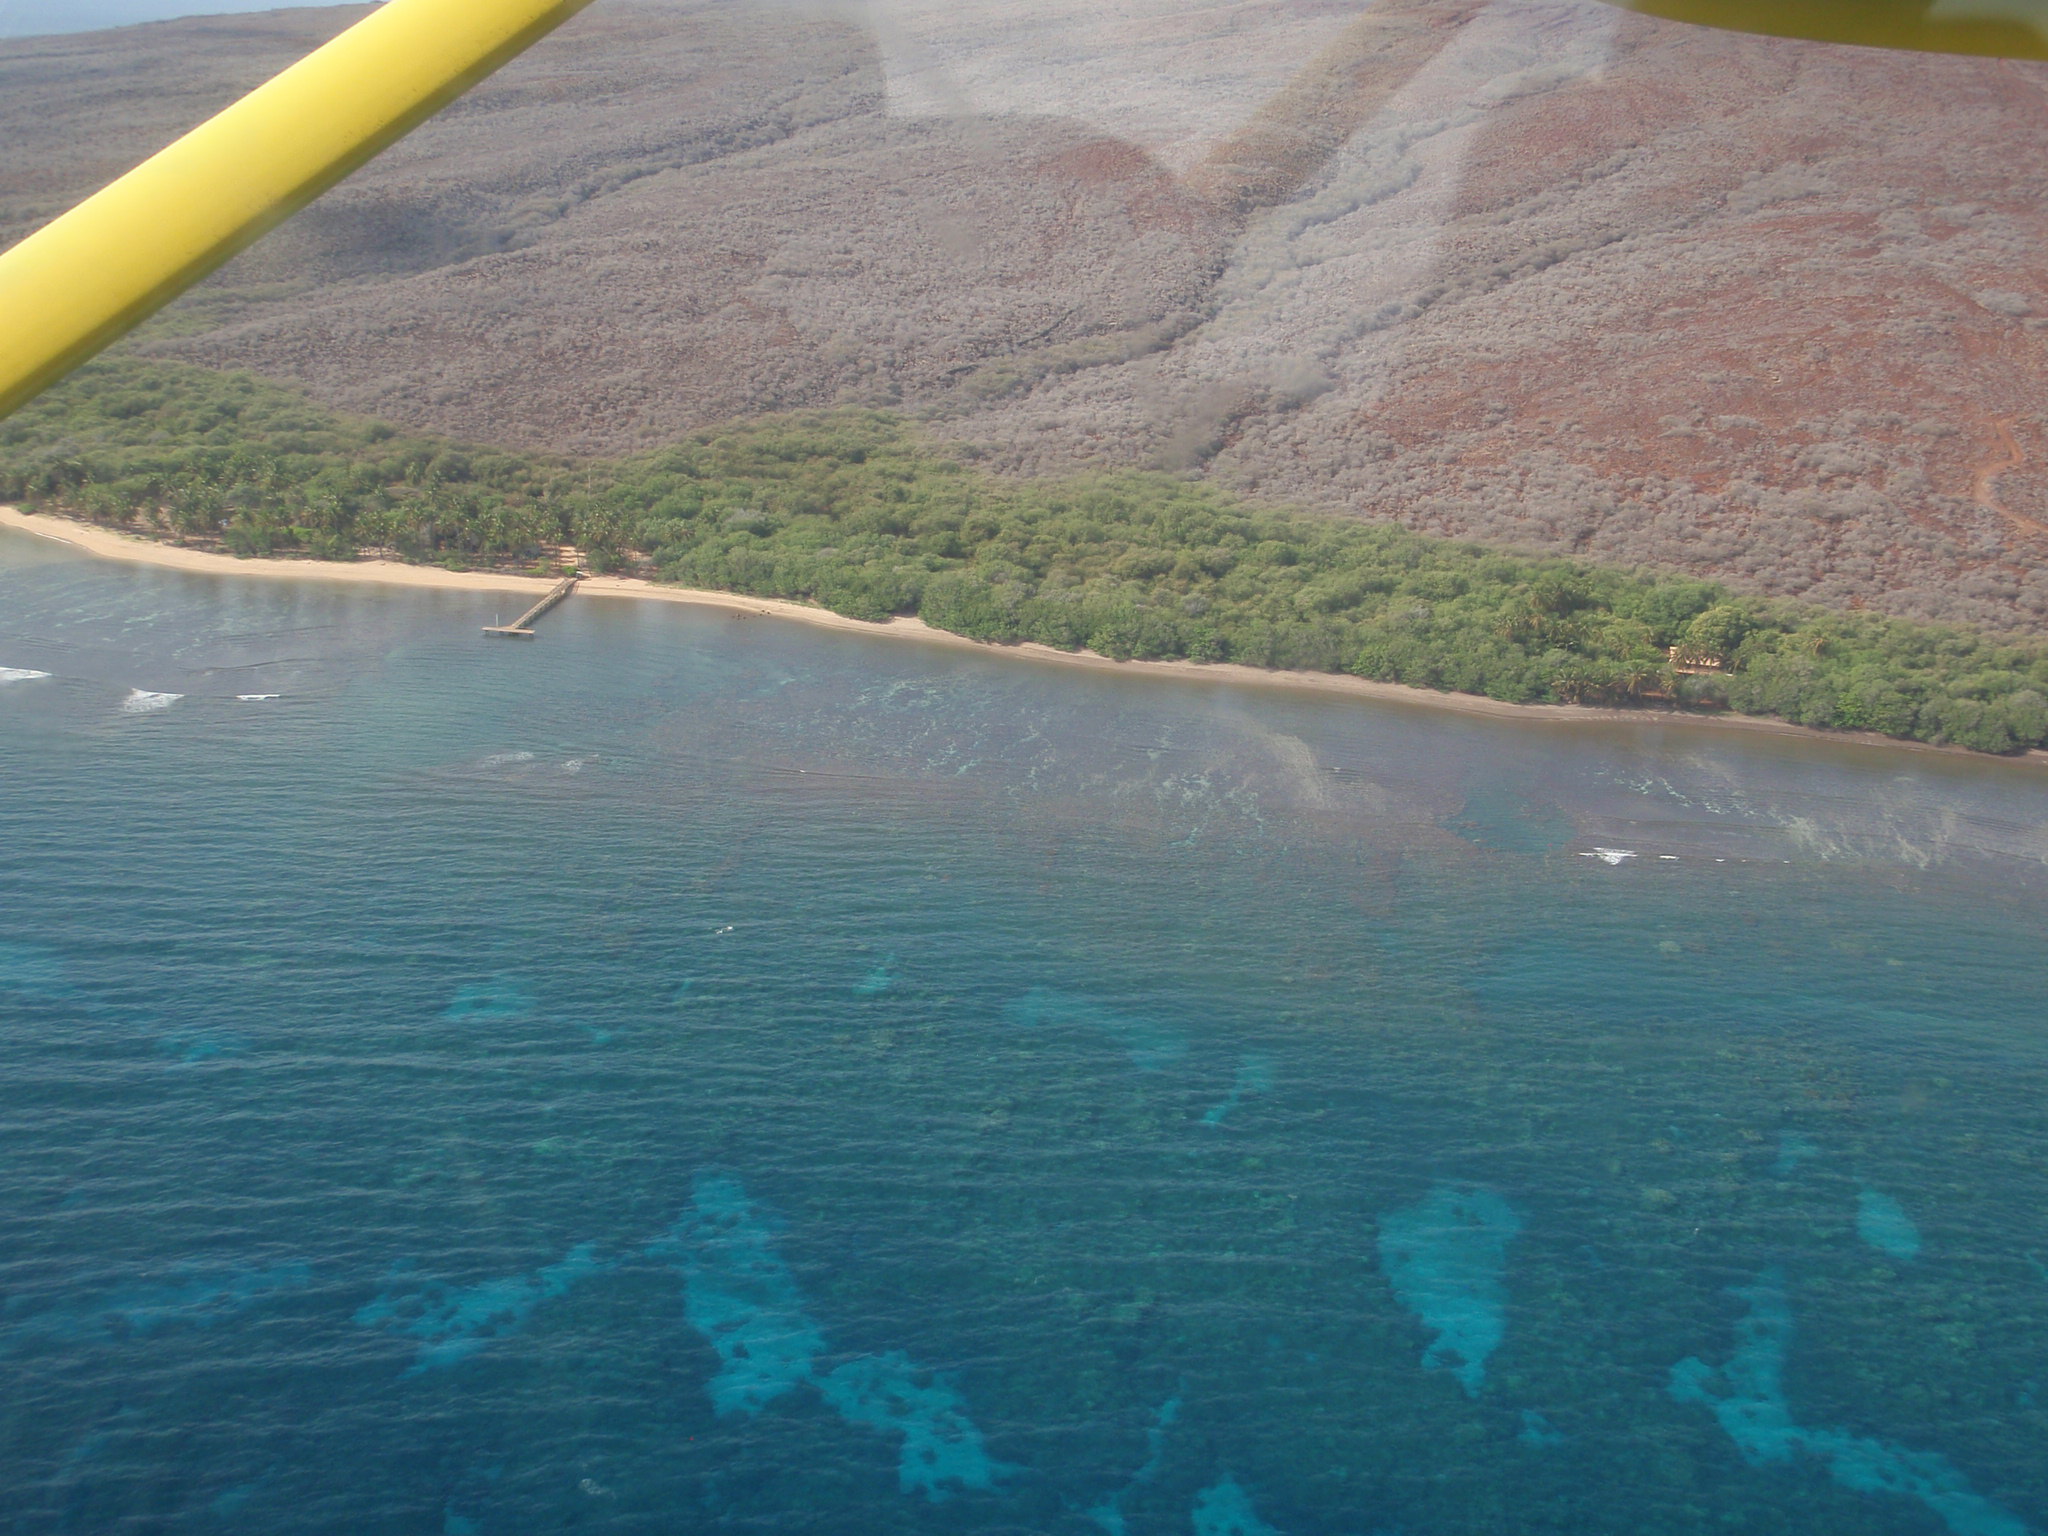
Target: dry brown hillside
x=1544 y=274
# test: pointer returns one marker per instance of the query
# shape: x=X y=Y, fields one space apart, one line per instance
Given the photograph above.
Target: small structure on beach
x=1689 y=662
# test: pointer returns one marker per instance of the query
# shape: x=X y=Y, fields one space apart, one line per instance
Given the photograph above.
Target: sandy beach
x=111 y=545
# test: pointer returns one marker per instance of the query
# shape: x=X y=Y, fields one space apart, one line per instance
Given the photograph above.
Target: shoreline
x=108 y=544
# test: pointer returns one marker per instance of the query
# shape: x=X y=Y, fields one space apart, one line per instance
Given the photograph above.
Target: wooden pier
x=521 y=628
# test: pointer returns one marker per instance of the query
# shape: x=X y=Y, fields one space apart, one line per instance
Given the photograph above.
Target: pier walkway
x=521 y=628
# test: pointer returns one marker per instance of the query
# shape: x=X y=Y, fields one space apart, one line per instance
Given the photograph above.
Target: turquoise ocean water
x=698 y=1073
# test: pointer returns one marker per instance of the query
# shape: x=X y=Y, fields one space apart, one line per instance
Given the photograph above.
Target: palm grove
x=858 y=511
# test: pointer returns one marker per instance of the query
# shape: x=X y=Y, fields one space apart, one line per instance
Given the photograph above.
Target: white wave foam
x=500 y=759
x=19 y=674
x=257 y=698
x=1610 y=855
x=141 y=701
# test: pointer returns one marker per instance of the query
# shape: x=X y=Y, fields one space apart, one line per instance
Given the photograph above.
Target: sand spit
x=108 y=544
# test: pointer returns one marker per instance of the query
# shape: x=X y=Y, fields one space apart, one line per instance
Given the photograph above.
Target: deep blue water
x=696 y=1073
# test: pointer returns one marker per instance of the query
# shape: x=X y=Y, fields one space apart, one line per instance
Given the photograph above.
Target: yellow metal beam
x=86 y=279
x=2013 y=29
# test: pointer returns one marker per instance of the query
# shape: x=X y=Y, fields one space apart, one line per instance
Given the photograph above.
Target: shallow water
x=696 y=1073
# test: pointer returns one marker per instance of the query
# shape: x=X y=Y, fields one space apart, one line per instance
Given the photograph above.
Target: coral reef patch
x=1883 y=1224
x=1254 y=1076
x=1747 y=1397
x=1225 y=1509
x=454 y=1322
x=1445 y=1257
x=193 y=1298
x=742 y=1297
x=1151 y=1046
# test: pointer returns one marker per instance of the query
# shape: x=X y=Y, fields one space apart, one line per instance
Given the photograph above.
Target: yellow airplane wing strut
x=2013 y=29
x=84 y=280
